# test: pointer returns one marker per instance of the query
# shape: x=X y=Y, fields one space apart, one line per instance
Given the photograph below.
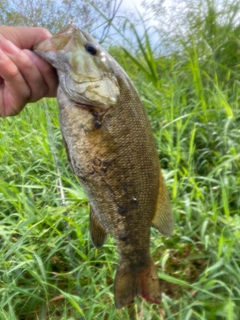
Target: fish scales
x=119 y=186
x=111 y=149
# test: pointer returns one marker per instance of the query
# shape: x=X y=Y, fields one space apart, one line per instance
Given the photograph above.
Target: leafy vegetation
x=53 y=15
x=48 y=266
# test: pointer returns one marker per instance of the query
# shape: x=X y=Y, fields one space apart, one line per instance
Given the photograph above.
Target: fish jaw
x=84 y=68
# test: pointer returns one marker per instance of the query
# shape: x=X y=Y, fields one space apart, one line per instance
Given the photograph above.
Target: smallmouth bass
x=111 y=149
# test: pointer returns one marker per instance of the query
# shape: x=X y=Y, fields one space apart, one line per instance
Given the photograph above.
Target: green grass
x=48 y=266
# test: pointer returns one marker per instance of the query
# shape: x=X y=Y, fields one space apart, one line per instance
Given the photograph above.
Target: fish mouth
x=84 y=105
x=90 y=106
x=102 y=93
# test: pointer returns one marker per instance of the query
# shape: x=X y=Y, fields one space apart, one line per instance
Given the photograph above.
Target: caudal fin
x=130 y=283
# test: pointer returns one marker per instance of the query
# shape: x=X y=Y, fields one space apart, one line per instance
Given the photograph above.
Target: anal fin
x=97 y=230
x=163 y=217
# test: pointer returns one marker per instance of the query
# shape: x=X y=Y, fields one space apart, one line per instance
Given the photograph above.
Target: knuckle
x=12 y=70
x=24 y=95
x=38 y=93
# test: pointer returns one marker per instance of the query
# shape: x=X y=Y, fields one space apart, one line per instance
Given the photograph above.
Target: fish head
x=85 y=69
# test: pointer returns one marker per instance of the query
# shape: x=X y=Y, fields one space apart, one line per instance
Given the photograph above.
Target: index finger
x=25 y=37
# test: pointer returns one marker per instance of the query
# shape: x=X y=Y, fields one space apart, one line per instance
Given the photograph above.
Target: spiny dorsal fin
x=163 y=217
x=97 y=230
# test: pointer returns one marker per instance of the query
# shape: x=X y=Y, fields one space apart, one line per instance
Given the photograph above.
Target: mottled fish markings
x=111 y=149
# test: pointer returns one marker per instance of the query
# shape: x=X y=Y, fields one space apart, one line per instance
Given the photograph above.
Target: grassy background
x=48 y=266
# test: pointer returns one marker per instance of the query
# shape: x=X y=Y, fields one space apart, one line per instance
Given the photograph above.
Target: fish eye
x=90 y=48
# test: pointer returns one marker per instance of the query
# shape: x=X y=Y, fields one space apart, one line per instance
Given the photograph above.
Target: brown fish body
x=111 y=149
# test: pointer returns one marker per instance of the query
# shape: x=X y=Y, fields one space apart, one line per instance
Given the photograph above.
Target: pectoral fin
x=97 y=230
x=163 y=217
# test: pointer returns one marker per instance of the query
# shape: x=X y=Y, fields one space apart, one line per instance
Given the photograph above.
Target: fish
x=111 y=149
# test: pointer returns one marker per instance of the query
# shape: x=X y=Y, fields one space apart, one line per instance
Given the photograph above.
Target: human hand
x=24 y=77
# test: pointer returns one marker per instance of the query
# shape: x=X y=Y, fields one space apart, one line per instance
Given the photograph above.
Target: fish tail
x=131 y=282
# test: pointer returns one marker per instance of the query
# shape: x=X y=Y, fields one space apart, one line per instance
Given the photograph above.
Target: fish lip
x=86 y=106
x=87 y=79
